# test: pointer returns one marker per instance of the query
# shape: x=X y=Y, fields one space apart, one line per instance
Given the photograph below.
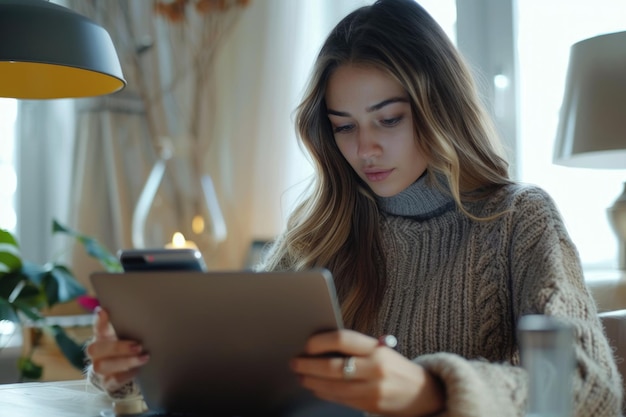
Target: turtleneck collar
x=419 y=200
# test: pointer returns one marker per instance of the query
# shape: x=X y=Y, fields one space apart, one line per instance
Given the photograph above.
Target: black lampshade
x=49 y=51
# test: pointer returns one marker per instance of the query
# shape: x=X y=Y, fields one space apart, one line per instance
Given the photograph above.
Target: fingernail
x=97 y=309
x=136 y=348
x=388 y=340
x=144 y=358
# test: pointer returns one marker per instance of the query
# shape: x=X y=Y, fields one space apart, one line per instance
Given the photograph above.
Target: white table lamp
x=592 y=125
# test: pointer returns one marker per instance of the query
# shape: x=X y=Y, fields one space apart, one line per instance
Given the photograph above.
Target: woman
x=426 y=236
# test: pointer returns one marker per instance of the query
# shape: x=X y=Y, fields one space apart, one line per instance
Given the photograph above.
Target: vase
x=178 y=206
x=617 y=220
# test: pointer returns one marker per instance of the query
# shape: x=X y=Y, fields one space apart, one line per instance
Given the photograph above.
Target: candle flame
x=178 y=240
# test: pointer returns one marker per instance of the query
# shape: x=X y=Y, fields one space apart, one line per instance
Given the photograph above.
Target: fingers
x=329 y=368
x=113 y=367
x=370 y=376
x=358 y=368
x=364 y=350
x=112 y=358
x=102 y=328
x=116 y=361
x=346 y=342
x=100 y=349
x=385 y=383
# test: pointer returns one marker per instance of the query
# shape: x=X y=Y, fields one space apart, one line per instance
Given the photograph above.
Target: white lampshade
x=592 y=125
x=49 y=51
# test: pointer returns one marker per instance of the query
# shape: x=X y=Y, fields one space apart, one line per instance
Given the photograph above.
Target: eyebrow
x=372 y=108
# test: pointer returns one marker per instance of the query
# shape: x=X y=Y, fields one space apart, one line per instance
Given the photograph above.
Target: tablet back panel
x=220 y=342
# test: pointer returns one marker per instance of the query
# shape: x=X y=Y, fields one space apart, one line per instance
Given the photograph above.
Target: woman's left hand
x=382 y=381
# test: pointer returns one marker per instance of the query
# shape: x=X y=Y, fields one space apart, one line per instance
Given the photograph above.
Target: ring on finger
x=349 y=367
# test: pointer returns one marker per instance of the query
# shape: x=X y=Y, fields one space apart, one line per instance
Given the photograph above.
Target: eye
x=391 y=122
x=342 y=128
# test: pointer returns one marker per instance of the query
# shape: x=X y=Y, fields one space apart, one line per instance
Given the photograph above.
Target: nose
x=368 y=145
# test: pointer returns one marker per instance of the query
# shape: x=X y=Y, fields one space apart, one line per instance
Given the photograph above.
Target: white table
x=54 y=399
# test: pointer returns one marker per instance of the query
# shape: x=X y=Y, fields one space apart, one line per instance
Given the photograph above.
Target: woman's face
x=373 y=127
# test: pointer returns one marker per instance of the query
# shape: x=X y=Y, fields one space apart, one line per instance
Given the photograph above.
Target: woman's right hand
x=114 y=361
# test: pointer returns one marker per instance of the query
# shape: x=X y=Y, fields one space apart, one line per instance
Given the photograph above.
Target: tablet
x=183 y=259
x=220 y=342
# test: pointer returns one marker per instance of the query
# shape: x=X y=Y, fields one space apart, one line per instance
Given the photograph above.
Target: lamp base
x=617 y=218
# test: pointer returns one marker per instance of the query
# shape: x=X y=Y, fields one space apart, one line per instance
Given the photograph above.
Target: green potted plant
x=28 y=289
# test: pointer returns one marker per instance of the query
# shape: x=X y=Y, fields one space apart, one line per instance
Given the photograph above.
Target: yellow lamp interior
x=32 y=80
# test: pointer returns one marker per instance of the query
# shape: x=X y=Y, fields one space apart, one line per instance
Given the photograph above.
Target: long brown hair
x=337 y=225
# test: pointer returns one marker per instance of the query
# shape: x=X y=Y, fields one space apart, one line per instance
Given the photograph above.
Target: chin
x=386 y=191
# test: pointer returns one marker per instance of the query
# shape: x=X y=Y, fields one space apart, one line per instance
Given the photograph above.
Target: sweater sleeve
x=128 y=391
x=477 y=388
x=545 y=278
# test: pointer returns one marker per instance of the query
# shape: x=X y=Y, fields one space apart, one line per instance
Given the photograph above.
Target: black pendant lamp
x=49 y=51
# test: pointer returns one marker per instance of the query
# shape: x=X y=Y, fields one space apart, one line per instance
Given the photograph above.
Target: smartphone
x=184 y=259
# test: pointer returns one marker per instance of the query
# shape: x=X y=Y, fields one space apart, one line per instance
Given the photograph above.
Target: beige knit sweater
x=457 y=287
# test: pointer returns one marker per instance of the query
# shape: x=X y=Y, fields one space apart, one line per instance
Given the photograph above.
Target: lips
x=376 y=175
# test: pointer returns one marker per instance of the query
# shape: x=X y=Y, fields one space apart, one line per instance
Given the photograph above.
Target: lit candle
x=179 y=242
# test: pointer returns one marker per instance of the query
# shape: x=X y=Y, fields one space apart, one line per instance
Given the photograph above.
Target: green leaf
x=17 y=286
x=29 y=369
x=7 y=312
x=34 y=272
x=74 y=352
x=7 y=237
x=33 y=292
x=10 y=259
x=55 y=281
x=92 y=247
x=51 y=288
x=32 y=313
x=8 y=282
x=60 y=286
x=106 y=259
x=31 y=295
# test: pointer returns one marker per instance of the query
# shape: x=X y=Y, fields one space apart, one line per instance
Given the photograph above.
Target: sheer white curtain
x=8 y=185
x=112 y=152
x=111 y=159
x=262 y=72
x=43 y=156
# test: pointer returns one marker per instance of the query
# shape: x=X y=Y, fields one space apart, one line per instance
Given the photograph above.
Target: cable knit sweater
x=456 y=289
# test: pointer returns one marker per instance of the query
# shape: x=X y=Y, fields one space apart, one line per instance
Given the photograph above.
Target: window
x=8 y=179
x=582 y=195
x=516 y=40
